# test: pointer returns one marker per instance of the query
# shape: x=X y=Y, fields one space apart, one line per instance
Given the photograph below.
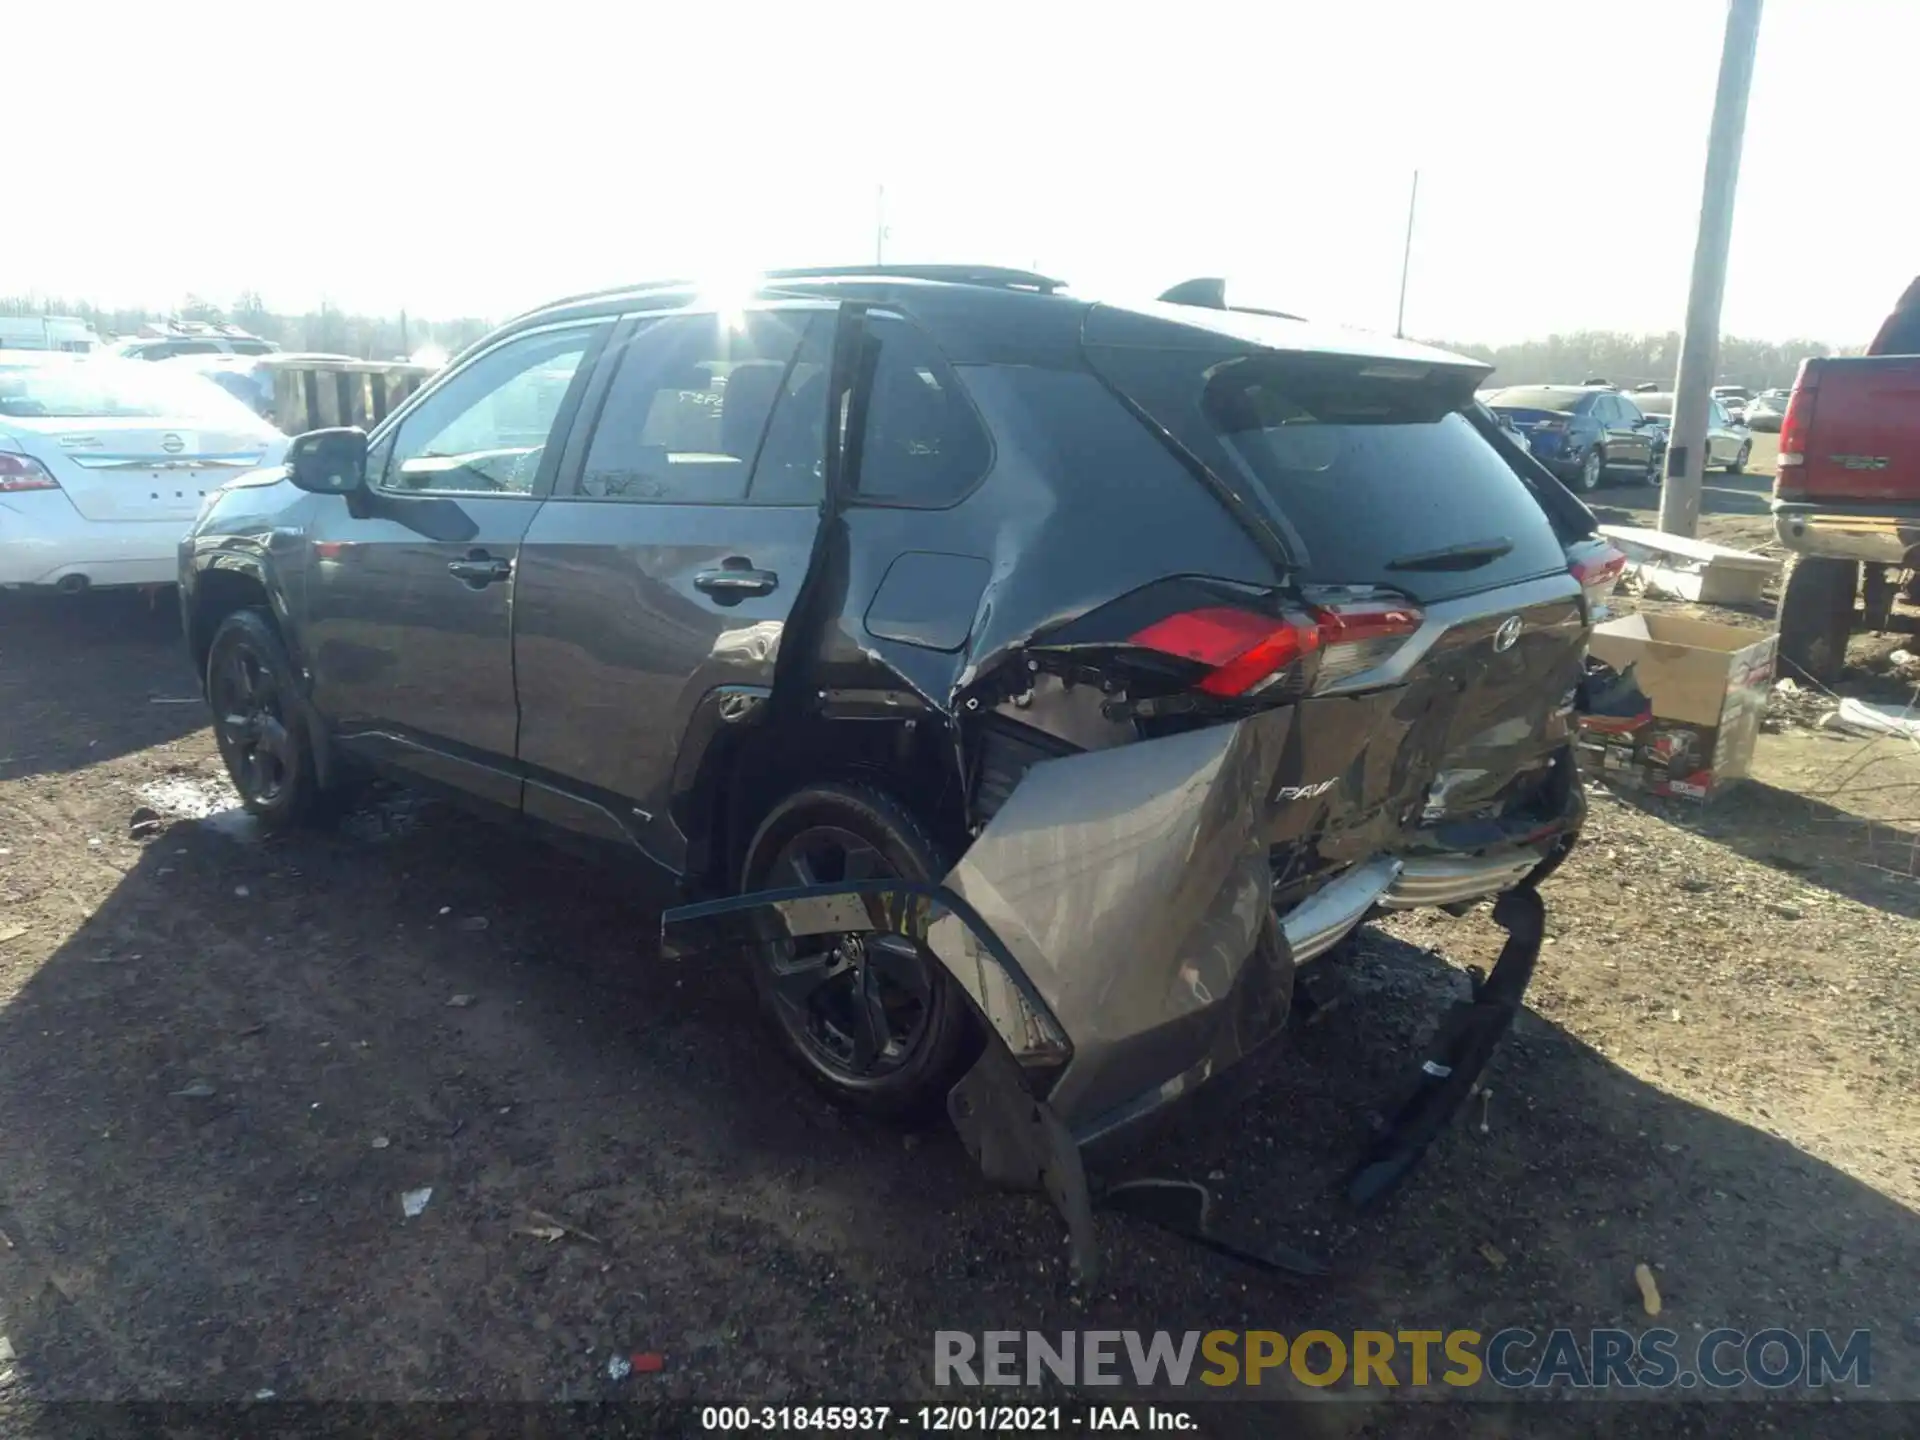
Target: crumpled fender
x=1097 y=922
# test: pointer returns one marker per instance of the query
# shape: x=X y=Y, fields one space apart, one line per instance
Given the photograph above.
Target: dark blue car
x=1580 y=432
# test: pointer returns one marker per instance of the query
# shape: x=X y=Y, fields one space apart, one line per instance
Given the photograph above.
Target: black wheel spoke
x=799 y=867
x=797 y=980
x=863 y=862
x=897 y=963
x=870 y=1027
x=239 y=679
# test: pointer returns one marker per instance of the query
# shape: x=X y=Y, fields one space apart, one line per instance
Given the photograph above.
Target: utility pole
x=1406 y=260
x=1700 y=349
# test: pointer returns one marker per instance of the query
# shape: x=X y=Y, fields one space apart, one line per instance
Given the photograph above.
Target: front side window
x=714 y=409
x=922 y=443
x=485 y=430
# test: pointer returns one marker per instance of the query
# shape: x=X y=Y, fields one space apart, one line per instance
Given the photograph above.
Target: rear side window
x=921 y=442
x=1371 y=483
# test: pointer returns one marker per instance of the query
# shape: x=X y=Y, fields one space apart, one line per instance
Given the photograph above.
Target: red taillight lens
x=23 y=472
x=1598 y=574
x=1247 y=653
x=1239 y=648
x=1795 y=424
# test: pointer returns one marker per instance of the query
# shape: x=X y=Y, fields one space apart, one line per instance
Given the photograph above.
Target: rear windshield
x=1520 y=399
x=1372 y=484
x=1654 y=402
x=105 y=388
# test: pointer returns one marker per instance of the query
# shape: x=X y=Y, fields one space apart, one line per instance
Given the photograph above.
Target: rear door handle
x=480 y=570
x=731 y=584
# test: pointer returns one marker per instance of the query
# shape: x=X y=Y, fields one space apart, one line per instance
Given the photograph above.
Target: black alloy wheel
x=872 y=1016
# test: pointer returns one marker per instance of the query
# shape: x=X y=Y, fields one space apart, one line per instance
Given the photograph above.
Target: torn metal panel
x=1130 y=887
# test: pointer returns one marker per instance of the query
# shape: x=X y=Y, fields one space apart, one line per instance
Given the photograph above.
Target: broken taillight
x=1598 y=574
x=1246 y=653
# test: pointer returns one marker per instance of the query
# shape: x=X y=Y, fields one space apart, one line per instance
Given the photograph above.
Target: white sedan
x=104 y=462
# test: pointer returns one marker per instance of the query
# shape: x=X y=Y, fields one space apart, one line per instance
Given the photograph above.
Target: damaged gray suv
x=1023 y=688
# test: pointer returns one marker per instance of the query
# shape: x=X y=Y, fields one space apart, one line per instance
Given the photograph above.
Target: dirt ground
x=224 y=1058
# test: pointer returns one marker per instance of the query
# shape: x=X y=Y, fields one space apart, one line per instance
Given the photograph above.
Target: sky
x=479 y=158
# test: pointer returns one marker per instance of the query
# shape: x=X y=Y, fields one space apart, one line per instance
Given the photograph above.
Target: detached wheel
x=256 y=722
x=1816 y=615
x=874 y=1020
x=1592 y=468
x=1739 y=465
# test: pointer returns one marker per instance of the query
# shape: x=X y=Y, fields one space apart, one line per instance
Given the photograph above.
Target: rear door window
x=687 y=415
x=1371 y=485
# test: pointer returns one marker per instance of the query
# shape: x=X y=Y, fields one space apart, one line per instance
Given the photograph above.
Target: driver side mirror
x=329 y=462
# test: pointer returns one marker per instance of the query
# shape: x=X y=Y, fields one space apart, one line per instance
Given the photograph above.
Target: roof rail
x=1210 y=293
x=998 y=276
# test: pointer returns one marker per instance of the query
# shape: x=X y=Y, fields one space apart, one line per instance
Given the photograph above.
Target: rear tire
x=260 y=726
x=1739 y=465
x=1816 y=615
x=829 y=999
x=1592 y=469
x=1655 y=461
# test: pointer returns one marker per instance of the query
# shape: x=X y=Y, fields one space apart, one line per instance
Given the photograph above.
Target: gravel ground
x=224 y=1059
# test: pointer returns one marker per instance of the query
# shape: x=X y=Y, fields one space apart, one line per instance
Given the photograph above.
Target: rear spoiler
x=1210 y=293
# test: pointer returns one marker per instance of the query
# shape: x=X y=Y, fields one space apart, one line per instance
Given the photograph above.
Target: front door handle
x=734 y=582
x=480 y=570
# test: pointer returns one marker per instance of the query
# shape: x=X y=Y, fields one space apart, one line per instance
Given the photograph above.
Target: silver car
x=1729 y=442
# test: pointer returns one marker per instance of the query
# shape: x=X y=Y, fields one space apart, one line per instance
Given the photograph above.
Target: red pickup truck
x=1846 y=496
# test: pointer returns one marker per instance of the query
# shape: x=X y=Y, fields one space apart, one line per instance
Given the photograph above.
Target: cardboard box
x=1708 y=685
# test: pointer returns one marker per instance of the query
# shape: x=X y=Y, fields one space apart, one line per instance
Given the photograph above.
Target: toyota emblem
x=1508 y=632
x=172 y=444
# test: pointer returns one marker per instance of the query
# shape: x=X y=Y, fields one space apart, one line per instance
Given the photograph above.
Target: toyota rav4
x=1020 y=687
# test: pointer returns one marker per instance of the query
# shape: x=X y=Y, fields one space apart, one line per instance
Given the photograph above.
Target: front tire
x=875 y=1020
x=258 y=725
x=1816 y=615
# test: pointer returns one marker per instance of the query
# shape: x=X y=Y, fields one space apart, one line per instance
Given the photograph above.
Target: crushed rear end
x=1182 y=793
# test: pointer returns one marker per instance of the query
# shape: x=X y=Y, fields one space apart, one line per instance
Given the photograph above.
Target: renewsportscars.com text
x=1511 y=1359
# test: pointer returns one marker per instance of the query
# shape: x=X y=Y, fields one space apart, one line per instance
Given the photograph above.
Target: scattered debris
x=381 y=1142
x=446 y=909
x=241 y=891
x=548 y=1233
x=460 y=1002
x=1486 y=1099
x=618 y=1367
x=1693 y=885
x=1786 y=912
x=474 y=922
x=174 y=700
x=196 y=1090
x=1903 y=660
x=6 y=1239
x=648 y=1362
x=546 y=1221
x=414 y=1202
x=1490 y=1253
x=265 y=1394
x=1879 y=719
x=6 y=1349
x=144 y=823
x=12 y=930
x=1649 y=1292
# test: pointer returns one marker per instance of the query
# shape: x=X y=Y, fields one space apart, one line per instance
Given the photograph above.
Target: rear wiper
x=1468 y=556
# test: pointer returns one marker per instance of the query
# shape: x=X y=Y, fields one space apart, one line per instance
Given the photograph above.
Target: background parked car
x=104 y=463
x=1580 y=432
x=1735 y=398
x=1766 y=410
x=1729 y=443
x=192 y=337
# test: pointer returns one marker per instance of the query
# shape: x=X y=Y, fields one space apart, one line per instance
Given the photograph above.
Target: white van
x=47 y=332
